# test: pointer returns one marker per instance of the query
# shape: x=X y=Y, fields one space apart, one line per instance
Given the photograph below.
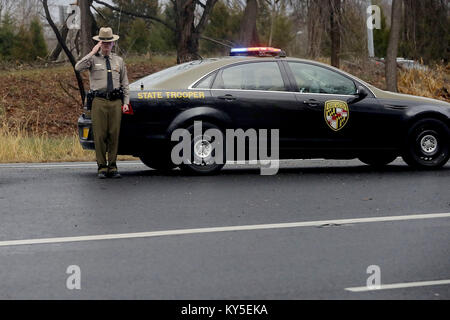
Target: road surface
x=318 y=229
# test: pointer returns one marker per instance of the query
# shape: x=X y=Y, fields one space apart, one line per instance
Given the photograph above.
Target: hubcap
x=429 y=144
x=202 y=151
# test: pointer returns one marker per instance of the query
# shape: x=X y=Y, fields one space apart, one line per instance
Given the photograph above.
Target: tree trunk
x=66 y=50
x=248 y=34
x=335 y=13
x=184 y=20
x=64 y=31
x=316 y=22
x=86 y=27
x=392 y=50
x=187 y=34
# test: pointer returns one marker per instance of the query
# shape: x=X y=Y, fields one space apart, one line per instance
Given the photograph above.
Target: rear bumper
x=85 y=133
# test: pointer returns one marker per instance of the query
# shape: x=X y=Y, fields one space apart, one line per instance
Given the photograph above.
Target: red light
x=262 y=51
x=130 y=110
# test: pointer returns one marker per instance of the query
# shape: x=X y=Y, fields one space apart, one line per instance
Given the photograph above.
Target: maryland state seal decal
x=336 y=114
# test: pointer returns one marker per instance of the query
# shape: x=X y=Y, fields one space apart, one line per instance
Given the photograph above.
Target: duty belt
x=113 y=95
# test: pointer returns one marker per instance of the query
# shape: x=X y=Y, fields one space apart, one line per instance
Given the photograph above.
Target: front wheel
x=427 y=144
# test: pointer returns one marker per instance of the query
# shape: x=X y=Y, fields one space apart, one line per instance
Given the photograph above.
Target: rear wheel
x=427 y=144
x=207 y=150
x=378 y=159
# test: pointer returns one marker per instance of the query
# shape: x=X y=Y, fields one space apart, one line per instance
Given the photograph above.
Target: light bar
x=260 y=50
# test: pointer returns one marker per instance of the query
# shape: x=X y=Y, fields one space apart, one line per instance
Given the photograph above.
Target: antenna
x=118 y=29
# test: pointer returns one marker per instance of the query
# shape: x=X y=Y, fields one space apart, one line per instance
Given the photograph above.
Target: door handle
x=312 y=103
x=227 y=97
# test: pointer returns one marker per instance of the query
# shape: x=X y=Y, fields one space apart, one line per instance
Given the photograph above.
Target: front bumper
x=85 y=132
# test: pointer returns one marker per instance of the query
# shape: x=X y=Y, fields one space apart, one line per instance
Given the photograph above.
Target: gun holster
x=89 y=98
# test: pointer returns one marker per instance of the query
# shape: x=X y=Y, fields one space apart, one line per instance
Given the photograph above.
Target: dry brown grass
x=19 y=145
x=432 y=83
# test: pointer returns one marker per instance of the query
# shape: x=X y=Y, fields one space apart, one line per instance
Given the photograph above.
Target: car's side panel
x=154 y=112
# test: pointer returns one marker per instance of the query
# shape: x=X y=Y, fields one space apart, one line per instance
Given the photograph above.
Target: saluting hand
x=96 y=48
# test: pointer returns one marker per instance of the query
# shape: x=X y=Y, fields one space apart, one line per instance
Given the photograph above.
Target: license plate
x=85 y=133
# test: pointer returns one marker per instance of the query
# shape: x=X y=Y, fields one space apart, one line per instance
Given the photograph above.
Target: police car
x=320 y=112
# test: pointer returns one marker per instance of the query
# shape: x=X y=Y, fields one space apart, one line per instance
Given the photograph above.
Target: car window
x=154 y=78
x=251 y=76
x=315 y=79
x=206 y=82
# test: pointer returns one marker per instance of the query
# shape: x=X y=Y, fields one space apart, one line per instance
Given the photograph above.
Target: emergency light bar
x=256 y=51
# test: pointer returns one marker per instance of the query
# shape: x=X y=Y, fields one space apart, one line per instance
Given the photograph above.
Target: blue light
x=239 y=50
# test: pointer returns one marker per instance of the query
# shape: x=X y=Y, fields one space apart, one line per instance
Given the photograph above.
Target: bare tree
x=248 y=35
x=87 y=26
x=392 y=50
x=335 y=30
x=22 y=10
x=65 y=48
x=187 y=32
x=64 y=31
x=6 y=8
x=274 y=6
x=317 y=17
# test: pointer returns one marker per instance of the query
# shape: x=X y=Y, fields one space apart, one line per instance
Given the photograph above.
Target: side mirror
x=361 y=93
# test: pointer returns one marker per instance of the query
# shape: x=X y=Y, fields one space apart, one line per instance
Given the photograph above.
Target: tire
x=427 y=144
x=378 y=159
x=162 y=163
x=202 y=157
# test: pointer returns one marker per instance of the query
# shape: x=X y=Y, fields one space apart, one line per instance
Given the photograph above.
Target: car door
x=318 y=89
x=338 y=120
x=253 y=93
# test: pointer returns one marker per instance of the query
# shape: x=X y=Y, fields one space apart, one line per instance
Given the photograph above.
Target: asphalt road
x=269 y=257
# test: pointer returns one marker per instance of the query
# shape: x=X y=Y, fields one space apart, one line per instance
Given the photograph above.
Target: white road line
x=220 y=229
x=399 y=285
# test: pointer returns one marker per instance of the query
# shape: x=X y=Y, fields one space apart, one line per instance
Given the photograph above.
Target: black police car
x=320 y=111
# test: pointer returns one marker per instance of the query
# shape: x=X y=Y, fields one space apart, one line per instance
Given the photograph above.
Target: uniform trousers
x=106 y=118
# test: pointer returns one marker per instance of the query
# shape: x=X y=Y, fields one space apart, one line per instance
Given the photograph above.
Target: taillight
x=130 y=110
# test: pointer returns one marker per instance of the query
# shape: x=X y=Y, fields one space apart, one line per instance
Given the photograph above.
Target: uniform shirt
x=98 y=75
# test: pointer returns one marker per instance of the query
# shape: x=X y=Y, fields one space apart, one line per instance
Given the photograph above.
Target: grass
x=432 y=83
x=19 y=145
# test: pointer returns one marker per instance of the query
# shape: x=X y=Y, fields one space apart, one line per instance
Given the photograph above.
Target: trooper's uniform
x=107 y=104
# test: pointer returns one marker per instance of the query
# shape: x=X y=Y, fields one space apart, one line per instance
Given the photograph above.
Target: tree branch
x=208 y=8
x=66 y=50
x=215 y=41
x=201 y=4
x=138 y=15
x=99 y=13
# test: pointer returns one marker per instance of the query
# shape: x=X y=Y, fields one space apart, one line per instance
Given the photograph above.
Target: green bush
x=21 y=43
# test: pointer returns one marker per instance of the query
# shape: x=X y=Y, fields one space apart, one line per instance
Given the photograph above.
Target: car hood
x=380 y=94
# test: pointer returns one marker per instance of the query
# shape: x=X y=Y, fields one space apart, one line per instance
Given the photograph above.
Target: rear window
x=157 y=77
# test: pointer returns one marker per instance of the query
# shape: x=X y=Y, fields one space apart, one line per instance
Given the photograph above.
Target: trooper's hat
x=106 y=35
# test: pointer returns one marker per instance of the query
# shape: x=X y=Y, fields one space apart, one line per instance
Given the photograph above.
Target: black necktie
x=110 y=81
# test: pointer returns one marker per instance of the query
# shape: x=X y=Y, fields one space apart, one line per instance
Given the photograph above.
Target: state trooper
x=109 y=90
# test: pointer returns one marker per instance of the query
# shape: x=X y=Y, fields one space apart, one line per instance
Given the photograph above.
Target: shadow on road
x=255 y=171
